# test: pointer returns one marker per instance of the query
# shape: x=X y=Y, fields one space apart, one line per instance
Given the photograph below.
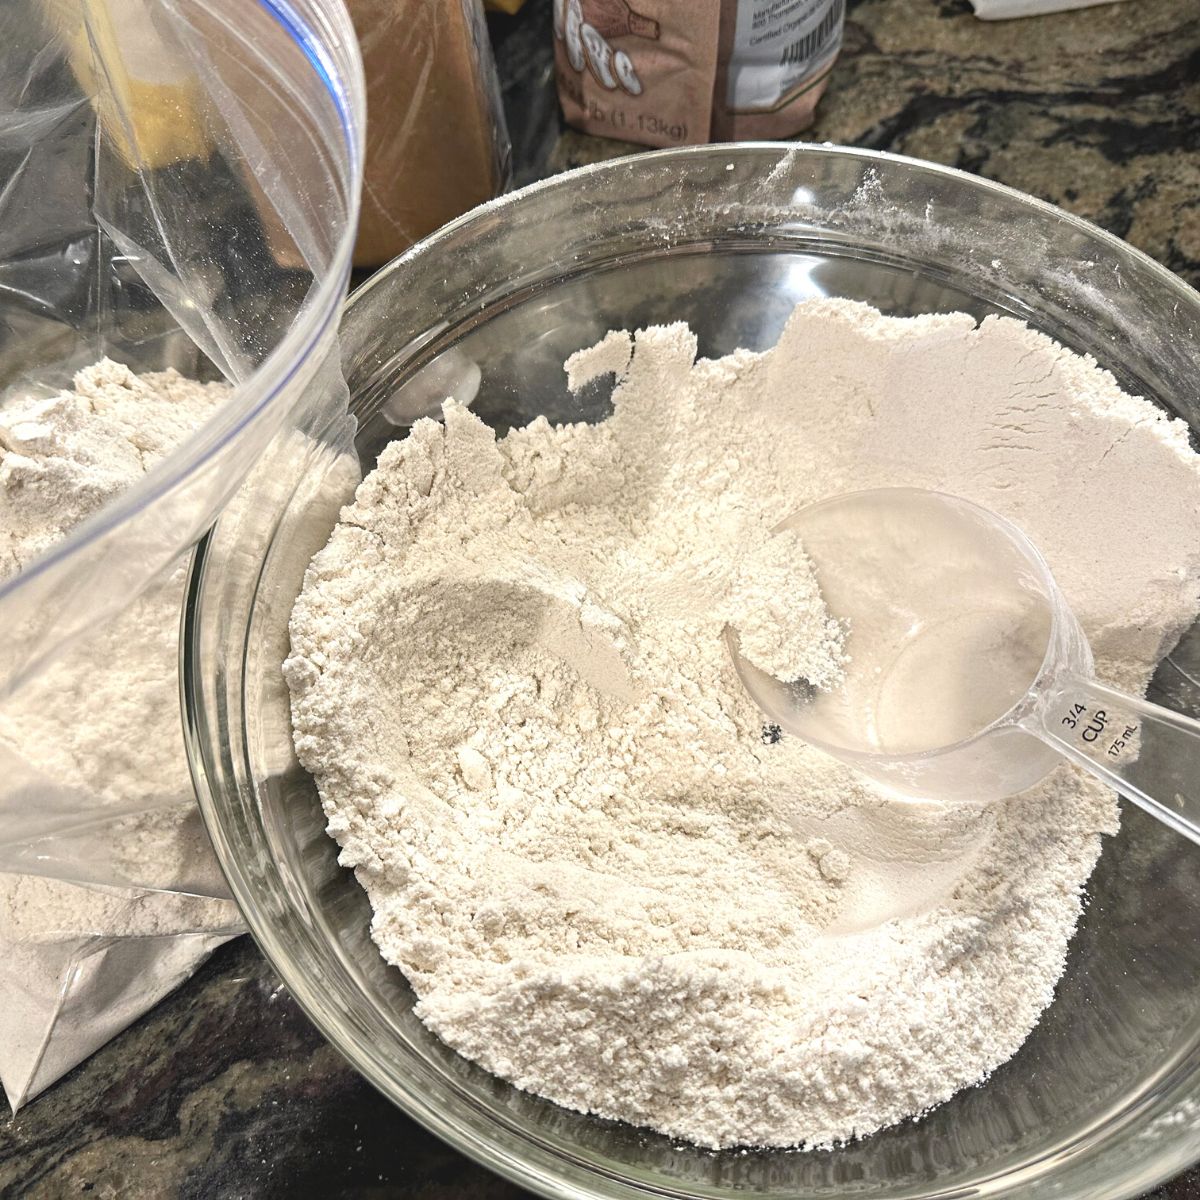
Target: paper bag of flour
x=678 y=72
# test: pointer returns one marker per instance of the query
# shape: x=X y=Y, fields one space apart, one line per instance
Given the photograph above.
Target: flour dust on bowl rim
x=1103 y=1100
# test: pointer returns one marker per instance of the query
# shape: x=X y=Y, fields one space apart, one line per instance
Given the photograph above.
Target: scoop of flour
x=782 y=624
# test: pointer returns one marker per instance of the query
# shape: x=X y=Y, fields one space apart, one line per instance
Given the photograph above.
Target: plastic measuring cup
x=968 y=675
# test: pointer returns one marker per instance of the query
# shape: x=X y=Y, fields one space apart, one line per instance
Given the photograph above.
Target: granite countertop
x=225 y=1090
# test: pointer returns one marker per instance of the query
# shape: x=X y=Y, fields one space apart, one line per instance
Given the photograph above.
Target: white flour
x=606 y=882
x=782 y=624
x=97 y=734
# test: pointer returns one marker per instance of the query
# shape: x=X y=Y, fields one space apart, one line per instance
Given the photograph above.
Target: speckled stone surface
x=225 y=1090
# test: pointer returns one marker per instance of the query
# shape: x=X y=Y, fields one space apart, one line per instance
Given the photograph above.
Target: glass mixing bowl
x=1103 y=1100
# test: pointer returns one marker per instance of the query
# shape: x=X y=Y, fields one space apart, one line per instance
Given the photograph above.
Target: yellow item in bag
x=148 y=100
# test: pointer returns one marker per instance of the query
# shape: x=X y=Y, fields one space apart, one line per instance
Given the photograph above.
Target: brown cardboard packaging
x=436 y=140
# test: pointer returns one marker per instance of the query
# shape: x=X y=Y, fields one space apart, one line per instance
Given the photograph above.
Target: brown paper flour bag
x=679 y=72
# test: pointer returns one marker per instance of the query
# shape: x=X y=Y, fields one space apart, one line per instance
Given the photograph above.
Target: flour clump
x=780 y=620
x=605 y=880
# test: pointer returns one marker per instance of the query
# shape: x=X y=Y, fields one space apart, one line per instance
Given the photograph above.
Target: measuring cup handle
x=1128 y=743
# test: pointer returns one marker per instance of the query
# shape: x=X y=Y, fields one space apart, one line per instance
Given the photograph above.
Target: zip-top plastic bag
x=179 y=187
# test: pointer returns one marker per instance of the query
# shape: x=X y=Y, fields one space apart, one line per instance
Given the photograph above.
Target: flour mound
x=606 y=881
x=102 y=720
x=64 y=456
x=96 y=738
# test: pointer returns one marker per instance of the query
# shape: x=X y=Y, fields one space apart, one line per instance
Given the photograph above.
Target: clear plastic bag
x=179 y=187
